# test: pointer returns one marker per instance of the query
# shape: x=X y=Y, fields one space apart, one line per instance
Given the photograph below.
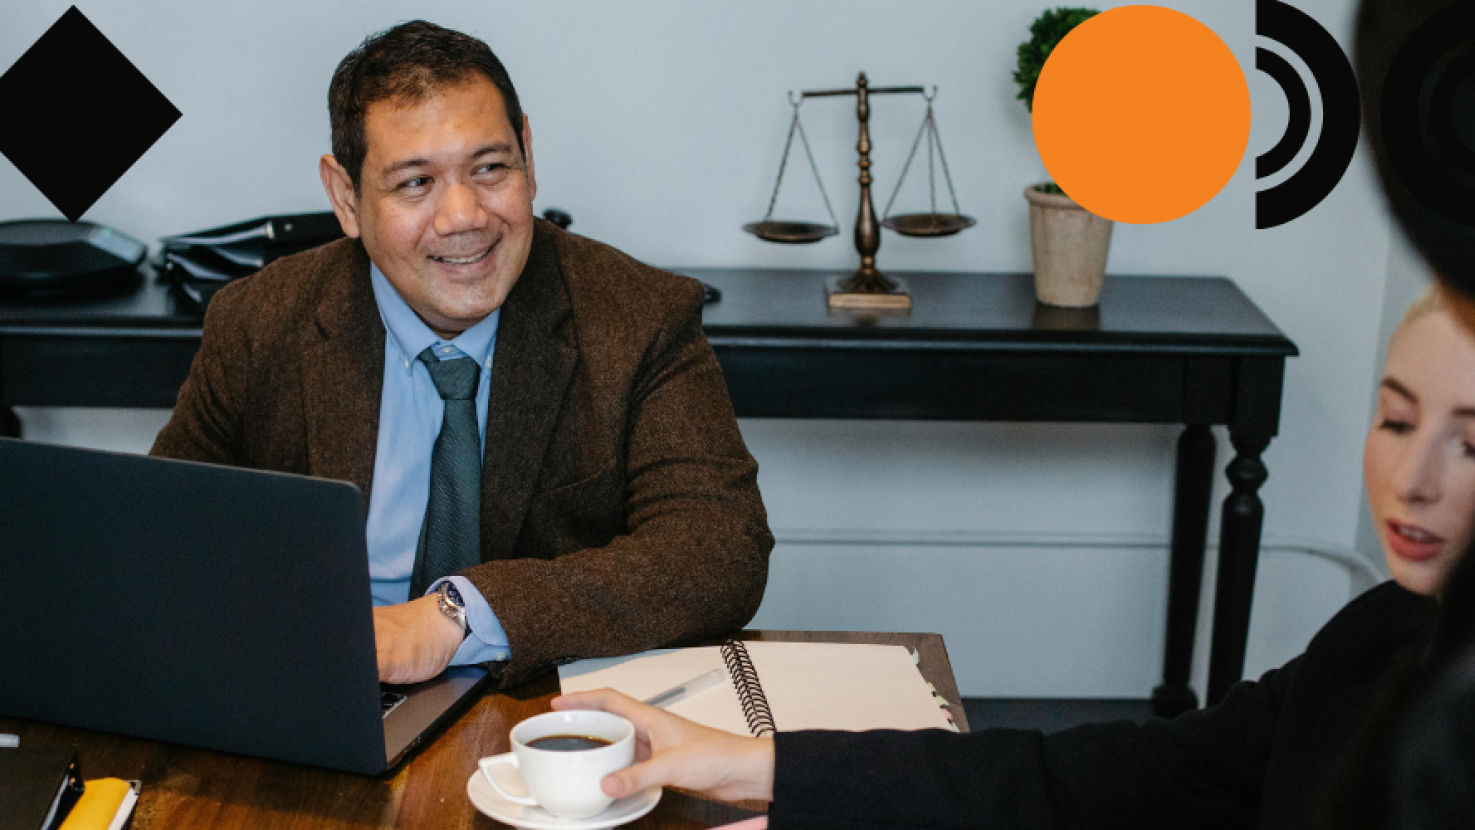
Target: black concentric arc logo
x=1428 y=113
x=1341 y=113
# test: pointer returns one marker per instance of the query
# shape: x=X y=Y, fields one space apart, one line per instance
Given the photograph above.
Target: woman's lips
x=1411 y=542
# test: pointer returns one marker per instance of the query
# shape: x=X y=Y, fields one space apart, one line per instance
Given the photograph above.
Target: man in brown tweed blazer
x=619 y=509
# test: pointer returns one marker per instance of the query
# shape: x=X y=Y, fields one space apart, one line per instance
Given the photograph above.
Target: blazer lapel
x=343 y=376
x=532 y=366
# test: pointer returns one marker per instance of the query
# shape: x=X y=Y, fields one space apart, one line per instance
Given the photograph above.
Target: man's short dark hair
x=406 y=64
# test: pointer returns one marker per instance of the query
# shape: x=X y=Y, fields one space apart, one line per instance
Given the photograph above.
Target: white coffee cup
x=565 y=782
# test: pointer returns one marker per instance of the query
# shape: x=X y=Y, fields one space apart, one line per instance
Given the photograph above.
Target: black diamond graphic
x=75 y=114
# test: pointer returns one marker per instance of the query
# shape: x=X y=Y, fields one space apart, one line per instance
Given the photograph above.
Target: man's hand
x=674 y=752
x=414 y=641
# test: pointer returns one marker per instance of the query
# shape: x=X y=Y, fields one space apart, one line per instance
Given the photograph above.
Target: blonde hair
x=1433 y=300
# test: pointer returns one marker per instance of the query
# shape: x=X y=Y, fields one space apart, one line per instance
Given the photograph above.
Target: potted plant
x=1069 y=243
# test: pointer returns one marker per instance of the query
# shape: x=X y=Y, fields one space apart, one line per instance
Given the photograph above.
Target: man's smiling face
x=445 y=202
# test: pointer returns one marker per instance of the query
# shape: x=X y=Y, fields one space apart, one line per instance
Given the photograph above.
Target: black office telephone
x=54 y=256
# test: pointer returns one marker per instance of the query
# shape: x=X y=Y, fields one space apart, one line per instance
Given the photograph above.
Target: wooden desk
x=188 y=787
x=1168 y=350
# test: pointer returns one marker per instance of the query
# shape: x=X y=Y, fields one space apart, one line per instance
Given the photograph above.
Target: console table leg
x=1239 y=553
x=1192 y=488
x=9 y=422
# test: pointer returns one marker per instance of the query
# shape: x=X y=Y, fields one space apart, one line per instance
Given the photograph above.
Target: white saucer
x=623 y=811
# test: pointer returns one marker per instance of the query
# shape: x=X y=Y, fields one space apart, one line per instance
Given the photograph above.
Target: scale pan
x=929 y=224
x=790 y=232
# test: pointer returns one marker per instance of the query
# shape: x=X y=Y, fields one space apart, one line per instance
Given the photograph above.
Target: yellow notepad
x=105 y=805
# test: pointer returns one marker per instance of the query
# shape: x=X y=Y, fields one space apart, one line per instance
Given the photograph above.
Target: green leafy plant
x=1045 y=33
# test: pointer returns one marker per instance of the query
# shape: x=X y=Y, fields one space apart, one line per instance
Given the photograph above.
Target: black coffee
x=567 y=743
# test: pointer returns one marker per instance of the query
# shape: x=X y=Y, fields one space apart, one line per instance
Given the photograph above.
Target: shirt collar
x=408 y=332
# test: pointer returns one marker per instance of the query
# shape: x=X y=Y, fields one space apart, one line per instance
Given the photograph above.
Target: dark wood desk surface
x=188 y=787
x=952 y=309
x=1193 y=351
x=133 y=349
x=979 y=310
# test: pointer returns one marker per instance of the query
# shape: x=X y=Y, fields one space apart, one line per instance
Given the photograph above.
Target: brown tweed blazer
x=619 y=508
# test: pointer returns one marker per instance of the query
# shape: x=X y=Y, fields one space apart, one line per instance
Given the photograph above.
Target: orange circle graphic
x=1141 y=114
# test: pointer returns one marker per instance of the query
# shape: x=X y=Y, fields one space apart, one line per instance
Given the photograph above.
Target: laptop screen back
x=186 y=602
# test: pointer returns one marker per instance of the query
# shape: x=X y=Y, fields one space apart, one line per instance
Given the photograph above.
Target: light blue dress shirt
x=410 y=413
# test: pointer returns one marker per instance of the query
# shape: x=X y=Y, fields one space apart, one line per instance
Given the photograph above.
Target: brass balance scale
x=867 y=288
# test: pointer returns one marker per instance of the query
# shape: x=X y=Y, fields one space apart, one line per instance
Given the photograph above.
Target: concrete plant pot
x=1070 y=245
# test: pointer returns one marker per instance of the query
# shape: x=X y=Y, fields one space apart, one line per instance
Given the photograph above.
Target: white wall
x=658 y=125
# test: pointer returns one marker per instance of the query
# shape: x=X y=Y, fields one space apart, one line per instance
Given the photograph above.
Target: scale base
x=860 y=291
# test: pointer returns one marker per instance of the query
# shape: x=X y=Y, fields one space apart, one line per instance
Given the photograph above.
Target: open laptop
x=205 y=605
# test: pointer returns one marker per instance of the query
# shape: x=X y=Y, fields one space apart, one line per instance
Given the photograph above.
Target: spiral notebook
x=777 y=686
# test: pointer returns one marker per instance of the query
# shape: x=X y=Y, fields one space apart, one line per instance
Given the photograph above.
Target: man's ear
x=340 y=192
x=527 y=155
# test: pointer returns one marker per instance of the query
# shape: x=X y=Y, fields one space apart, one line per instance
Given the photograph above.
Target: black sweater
x=1256 y=760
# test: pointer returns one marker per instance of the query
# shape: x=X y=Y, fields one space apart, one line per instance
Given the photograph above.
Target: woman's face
x=1419 y=462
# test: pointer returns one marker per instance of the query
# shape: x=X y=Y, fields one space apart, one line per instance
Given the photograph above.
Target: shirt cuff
x=487 y=642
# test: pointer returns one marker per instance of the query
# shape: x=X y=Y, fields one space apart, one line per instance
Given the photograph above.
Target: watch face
x=452 y=606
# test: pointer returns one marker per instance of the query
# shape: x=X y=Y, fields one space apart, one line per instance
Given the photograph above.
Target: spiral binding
x=749 y=689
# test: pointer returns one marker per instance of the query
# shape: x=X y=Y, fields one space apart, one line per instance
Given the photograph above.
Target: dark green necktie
x=450 y=539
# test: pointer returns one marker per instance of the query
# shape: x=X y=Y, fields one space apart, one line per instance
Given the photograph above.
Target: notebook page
x=808 y=685
x=844 y=686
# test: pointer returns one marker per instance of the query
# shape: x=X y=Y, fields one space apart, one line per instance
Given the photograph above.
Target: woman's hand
x=671 y=751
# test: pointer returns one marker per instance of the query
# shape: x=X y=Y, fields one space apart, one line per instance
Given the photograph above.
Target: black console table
x=976 y=347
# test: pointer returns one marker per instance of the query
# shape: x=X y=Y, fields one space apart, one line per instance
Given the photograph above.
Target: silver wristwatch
x=452 y=606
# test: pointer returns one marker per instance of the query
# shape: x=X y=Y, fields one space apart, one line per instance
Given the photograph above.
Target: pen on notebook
x=9 y=740
x=676 y=694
